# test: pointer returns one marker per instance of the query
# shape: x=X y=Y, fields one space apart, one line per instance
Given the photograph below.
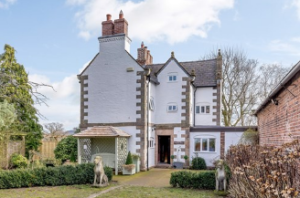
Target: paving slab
x=155 y=177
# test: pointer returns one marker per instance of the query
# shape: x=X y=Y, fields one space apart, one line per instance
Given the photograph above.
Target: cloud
x=296 y=3
x=152 y=20
x=63 y=103
x=4 y=4
x=290 y=46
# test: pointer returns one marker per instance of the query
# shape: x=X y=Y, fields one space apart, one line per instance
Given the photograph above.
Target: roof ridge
x=184 y=62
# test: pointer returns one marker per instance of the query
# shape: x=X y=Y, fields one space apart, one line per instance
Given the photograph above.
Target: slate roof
x=205 y=71
x=102 y=131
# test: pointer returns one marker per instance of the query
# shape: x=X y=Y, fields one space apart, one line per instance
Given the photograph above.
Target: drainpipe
x=194 y=107
x=147 y=122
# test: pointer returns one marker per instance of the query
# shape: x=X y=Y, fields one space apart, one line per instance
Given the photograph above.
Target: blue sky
x=55 y=39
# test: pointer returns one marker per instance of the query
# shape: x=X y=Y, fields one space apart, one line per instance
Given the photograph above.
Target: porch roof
x=102 y=131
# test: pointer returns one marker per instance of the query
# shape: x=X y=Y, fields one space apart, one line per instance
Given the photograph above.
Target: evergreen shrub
x=198 y=163
x=129 y=159
x=18 y=161
x=188 y=179
x=52 y=176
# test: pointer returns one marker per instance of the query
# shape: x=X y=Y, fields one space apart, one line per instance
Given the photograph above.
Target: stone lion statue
x=220 y=176
x=100 y=178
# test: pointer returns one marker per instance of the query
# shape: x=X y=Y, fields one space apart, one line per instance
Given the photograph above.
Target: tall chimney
x=144 y=56
x=107 y=26
x=121 y=25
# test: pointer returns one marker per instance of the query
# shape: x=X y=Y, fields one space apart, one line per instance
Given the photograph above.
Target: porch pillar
x=116 y=156
x=78 y=151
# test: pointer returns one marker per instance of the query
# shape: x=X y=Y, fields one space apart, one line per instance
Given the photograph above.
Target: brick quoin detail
x=222 y=145
x=279 y=124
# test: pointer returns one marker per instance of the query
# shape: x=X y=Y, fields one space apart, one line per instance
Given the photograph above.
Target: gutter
x=281 y=84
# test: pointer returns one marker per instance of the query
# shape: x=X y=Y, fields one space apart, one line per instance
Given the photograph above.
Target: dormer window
x=172 y=77
x=172 y=107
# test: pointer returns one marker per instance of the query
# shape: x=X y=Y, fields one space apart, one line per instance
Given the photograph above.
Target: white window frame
x=208 y=144
x=203 y=108
x=172 y=77
x=172 y=107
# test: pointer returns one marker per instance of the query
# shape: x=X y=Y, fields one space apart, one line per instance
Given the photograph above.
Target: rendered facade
x=173 y=108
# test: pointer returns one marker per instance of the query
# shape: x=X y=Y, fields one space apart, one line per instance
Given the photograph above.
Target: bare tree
x=239 y=86
x=270 y=75
x=55 y=130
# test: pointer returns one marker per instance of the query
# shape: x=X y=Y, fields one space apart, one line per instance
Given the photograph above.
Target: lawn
x=151 y=192
x=75 y=191
x=83 y=191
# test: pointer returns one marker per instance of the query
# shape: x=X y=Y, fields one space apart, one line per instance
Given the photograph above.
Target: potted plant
x=172 y=157
x=186 y=158
x=136 y=161
x=128 y=168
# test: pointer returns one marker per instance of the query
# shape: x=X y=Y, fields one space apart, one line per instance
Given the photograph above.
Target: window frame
x=208 y=142
x=203 y=109
x=172 y=110
x=172 y=77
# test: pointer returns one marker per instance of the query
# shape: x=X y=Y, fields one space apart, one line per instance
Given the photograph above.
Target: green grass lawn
x=75 y=191
x=151 y=192
x=83 y=191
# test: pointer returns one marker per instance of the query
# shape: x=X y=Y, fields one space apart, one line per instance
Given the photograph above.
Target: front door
x=164 y=149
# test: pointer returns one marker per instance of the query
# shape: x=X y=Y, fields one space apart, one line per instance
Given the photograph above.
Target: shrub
x=18 y=161
x=198 y=163
x=129 y=159
x=261 y=171
x=53 y=176
x=66 y=149
x=188 y=179
x=108 y=172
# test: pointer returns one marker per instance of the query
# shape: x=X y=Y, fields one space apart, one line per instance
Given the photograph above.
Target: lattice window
x=85 y=150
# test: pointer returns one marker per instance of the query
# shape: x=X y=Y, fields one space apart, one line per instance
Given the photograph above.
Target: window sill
x=206 y=152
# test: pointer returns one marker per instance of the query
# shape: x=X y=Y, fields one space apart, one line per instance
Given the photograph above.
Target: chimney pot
x=121 y=15
x=108 y=17
x=142 y=45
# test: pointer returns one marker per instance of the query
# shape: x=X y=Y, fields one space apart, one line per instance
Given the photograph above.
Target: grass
x=151 y=192
x=75 y=191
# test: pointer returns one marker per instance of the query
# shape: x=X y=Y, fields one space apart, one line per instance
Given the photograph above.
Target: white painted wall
x=192 y=89
x=131 y=130
x=110 y=44
x=169 y=92
x=204 y=95
x=232 y=138
x=209 y=157
x=152 y=93
x=111 y=89
x=178 y=147
x=151 y=150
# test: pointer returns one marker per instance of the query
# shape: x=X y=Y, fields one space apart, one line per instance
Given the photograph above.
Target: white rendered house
x=173 y=108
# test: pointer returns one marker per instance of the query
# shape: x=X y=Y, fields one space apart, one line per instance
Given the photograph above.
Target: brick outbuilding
x=279 y=115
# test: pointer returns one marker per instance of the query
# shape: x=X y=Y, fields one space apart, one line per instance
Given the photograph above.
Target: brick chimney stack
x=144 y=56
x=121 y=25
x=107 y=26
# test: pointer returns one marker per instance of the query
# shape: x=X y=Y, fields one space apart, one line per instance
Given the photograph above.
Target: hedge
x=52 y=176
x=188 y=179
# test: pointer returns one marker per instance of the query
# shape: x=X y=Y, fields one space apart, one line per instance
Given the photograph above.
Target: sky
x=56 y=39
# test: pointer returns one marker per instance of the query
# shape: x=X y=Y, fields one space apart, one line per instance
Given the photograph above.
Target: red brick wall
x=278 y=124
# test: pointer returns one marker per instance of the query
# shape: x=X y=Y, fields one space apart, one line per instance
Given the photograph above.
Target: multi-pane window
x=172 y=77
x=205 y=144
x=151 y=143
x=172 y=108
x=203 y=109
